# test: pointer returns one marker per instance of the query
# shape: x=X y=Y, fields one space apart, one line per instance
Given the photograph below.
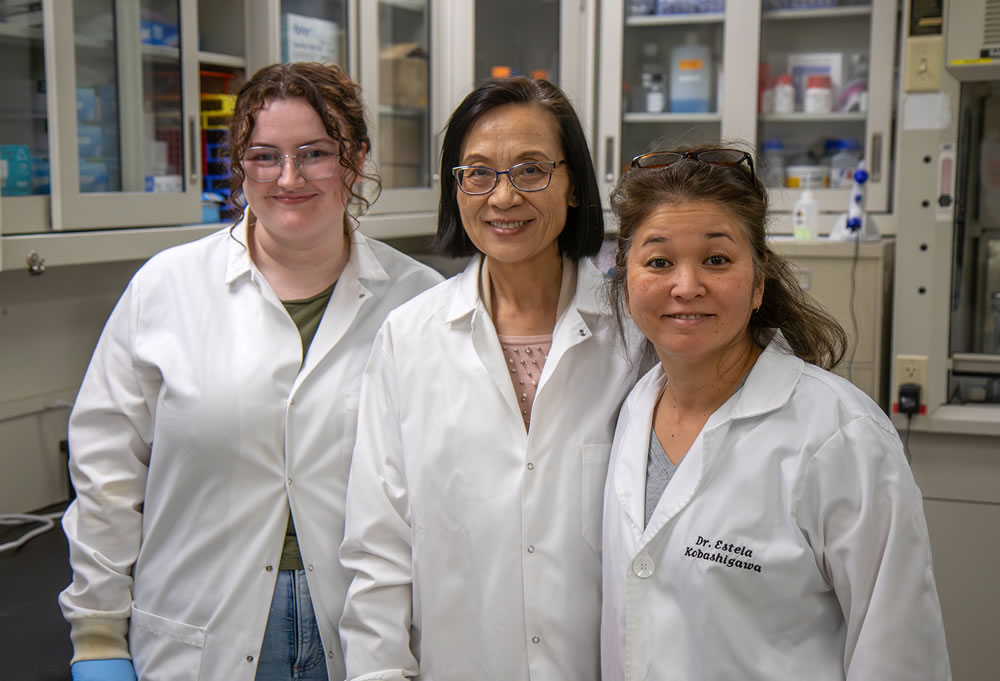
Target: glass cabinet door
x=314 y=30
x=824 y=97
x=399 y=79
x=537 y=38
x=402 y=145
x=663 y=71
x=125 y=81
x=517 y=38
x=24 y=137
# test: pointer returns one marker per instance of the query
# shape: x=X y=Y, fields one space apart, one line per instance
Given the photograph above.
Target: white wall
x=49 y=325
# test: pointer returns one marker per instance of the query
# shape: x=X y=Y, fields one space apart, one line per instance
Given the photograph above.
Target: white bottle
x=784 y=95
x=655 y=99
x=649 y=67
x=805 y=214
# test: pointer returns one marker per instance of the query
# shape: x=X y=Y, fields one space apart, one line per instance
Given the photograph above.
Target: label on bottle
x=689 y=64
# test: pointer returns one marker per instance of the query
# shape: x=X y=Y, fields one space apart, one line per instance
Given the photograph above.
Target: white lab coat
x=193 y=432
x=476 y=543
x=790 y=543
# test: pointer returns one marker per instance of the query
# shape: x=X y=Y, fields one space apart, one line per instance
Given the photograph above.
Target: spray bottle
x=805 y=215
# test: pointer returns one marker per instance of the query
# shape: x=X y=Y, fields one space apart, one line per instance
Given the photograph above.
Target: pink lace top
x=525 y=357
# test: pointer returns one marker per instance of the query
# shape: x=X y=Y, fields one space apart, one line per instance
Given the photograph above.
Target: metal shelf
x=639 y=117
x=675 y=19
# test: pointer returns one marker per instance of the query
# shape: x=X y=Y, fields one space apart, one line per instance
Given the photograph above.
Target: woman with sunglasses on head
x=474 y=504
x=761 y=522
x=221 y=404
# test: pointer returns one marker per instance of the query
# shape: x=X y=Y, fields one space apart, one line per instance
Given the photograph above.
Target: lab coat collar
x=768 y=386
x=362 y=263
x=580 y=289
x=772 y=379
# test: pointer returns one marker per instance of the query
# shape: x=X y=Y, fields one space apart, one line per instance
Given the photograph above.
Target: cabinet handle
x=609 y=159
x=875 y=165
x=192 y=141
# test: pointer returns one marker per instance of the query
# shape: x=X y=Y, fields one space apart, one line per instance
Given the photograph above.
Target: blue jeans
x=292 y=650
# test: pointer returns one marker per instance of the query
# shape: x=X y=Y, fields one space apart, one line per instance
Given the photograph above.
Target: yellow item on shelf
x=216 y=110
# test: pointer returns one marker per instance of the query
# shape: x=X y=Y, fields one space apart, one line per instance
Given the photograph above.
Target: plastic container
x=845 y=154
x=818 y=97
x=656 y=100
x=784 y=94
x=810 y=176
x=640 y=7
x=690 y=77
x=805 y=215
x=772 y=158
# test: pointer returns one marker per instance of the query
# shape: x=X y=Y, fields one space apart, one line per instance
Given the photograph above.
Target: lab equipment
x=855 y=225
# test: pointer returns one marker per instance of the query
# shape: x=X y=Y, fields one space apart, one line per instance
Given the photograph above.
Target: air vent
x=991 y=24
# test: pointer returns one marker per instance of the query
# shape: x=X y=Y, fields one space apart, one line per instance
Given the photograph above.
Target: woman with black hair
x=489 y=403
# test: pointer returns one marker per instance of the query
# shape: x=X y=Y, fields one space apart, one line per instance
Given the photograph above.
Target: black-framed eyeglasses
x=533 y=176
x=715 y=157
x=313 y=161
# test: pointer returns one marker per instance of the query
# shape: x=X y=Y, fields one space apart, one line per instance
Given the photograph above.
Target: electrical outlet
x=911 y=369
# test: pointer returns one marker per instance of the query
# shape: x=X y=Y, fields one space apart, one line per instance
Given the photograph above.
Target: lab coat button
x=643 y=566
x=583 y=332
x=249 y=658
x=329 y=654
x=268 y=568
x=531 y=548
x=310 y=568
x=531 y=466
x=535 y=639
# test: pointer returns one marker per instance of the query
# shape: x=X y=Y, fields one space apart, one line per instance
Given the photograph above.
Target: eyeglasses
x=715 y=157
x=533 y=176
x=313 y=161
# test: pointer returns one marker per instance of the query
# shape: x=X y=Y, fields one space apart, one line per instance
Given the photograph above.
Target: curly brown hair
x=336 y=99
x=810 y=331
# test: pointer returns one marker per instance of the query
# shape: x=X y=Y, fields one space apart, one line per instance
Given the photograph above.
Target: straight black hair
x=584 y=230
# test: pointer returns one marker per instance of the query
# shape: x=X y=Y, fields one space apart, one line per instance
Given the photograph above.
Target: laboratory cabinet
x=853 y=281
x=119 y=121
x=105 y=132
x=807 y=84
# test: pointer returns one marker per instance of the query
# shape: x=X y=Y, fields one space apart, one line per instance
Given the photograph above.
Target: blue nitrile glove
x=103 y=670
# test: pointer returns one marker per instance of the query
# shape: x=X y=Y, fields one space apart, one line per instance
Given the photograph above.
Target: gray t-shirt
x=659 y=471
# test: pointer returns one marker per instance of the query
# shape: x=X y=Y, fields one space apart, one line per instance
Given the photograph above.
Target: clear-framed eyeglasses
x=313 y=161
x=715 y=157
x=533 y=176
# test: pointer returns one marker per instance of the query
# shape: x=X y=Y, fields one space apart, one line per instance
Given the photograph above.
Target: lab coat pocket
x=352 y=402
x=163 y=649
x=594 y=471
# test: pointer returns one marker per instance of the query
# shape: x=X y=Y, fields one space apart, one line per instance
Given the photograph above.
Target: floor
x=34 y=638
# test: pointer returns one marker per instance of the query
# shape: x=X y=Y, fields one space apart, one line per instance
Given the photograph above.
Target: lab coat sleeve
x=377 y=547
x=863 y=515
x=109 y=437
